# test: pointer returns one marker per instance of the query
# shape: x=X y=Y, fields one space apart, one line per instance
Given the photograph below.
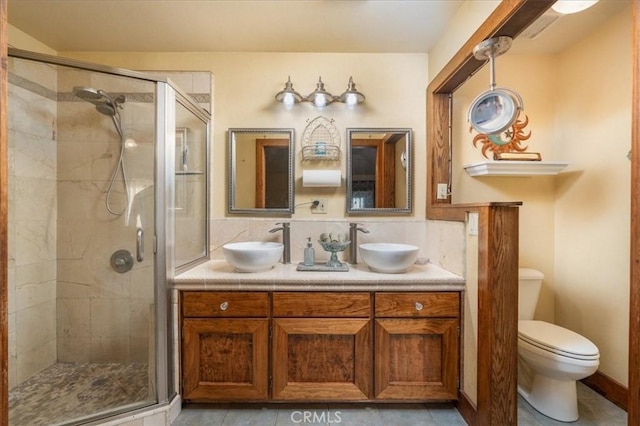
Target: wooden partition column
x=497 y=315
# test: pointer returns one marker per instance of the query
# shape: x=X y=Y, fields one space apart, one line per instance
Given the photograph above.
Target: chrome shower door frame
x=167 y=94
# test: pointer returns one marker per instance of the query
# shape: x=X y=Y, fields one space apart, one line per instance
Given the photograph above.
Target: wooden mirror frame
x=496 y=403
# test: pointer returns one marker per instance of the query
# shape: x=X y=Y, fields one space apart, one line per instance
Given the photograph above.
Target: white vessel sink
x=388 y=258
x=253 y=256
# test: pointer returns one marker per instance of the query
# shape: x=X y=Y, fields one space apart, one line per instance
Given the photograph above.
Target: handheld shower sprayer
x=107 y=105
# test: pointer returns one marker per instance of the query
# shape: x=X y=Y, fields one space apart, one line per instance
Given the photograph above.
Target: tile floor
x=594 y=410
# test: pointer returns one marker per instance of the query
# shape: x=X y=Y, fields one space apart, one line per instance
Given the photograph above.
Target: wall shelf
x=515 y=168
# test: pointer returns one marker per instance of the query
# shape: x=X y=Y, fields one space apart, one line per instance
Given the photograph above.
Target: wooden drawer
x=225 y=304
x=412 y=305
x=322 y=304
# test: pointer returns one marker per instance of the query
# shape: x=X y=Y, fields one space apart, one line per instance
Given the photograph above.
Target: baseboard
x=609 y=388
x=467 y=409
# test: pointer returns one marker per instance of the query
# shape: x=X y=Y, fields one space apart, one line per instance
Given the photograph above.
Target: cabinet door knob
x=419 y=306
x=224 y=306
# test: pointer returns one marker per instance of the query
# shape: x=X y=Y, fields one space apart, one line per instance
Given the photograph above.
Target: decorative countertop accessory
x=332 y=243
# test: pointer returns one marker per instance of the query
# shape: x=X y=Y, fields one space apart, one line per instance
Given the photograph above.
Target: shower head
x=106 y=108
x=104 y=103
x=88 y=94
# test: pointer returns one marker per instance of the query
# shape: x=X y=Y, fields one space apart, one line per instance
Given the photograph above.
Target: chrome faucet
x=286 y=240
x=353 y=237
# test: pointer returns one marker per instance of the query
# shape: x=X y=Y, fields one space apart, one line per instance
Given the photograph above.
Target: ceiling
x=351 y=26
x=354 y=26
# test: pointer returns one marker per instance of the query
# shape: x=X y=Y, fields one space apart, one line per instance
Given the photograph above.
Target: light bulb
x=352 y=100
x=288 y=100
x=320 y=101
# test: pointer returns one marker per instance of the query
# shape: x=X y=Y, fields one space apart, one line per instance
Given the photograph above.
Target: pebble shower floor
x=66 y=391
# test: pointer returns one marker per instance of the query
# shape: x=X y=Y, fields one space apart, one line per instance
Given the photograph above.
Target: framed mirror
x=379 y=171
x=261 y=171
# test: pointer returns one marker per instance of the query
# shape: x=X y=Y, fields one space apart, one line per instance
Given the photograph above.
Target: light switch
x=472 y=224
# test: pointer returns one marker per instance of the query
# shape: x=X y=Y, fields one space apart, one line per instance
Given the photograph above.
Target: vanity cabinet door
x=416 y=346
x=225 y=359
x=321 y=346
x=225 y=346
x=321 y=359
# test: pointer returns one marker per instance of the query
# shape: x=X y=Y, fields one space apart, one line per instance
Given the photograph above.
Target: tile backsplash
x=441 y=243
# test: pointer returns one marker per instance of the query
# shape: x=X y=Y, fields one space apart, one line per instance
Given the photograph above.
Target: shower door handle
x=140 y=245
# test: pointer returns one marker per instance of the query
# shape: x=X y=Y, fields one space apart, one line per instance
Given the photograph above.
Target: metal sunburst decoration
x=507 y=141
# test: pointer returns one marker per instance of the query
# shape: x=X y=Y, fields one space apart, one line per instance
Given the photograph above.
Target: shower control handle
x=140 y=245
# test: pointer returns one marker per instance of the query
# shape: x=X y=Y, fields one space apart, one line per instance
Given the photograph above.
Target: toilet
x=550 y=358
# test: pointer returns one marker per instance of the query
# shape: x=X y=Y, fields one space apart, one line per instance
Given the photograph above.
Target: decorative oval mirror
x=261 y=171
x=379 y=171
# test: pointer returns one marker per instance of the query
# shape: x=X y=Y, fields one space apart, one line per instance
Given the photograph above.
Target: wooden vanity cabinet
x=416 y=346
x=321 y=347
x=225 y=341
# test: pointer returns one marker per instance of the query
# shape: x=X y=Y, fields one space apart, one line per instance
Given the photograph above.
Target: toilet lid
x=556 y=339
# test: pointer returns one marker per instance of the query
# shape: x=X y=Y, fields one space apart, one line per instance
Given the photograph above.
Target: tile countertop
x=219 y=275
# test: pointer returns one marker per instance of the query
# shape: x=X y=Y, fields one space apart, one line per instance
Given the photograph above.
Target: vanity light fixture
x=351 y=96
x=320 y=97
x=495 y=110
x=288 y=96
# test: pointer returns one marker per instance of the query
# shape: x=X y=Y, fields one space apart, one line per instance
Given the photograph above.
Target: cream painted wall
x=573 y=227
x=246 y=84
x=22 y=40
x=592 y=206
x=469 y=16
x=533 y=78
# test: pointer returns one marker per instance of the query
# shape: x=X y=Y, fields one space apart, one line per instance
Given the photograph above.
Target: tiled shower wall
x=66 y=304
x=103 y=315
x=32 y=219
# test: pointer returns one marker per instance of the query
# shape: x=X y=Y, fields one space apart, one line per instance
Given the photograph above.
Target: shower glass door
x=82 y=307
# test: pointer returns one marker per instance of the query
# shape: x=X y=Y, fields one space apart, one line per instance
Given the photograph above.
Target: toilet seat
x=558 y=340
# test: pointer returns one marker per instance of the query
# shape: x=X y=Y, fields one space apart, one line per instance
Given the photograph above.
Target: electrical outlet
x=442 y=191
x=322 y=207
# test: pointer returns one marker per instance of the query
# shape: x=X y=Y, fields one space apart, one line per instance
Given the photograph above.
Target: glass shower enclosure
x=107 y=197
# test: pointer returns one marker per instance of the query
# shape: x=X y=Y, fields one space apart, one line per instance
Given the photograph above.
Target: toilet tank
x=529 y=282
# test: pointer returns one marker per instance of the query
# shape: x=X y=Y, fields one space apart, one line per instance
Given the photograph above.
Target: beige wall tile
x=110 y=349
x=73 y=318
x=110 y=317
x=32 y=361
x=72 y=349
